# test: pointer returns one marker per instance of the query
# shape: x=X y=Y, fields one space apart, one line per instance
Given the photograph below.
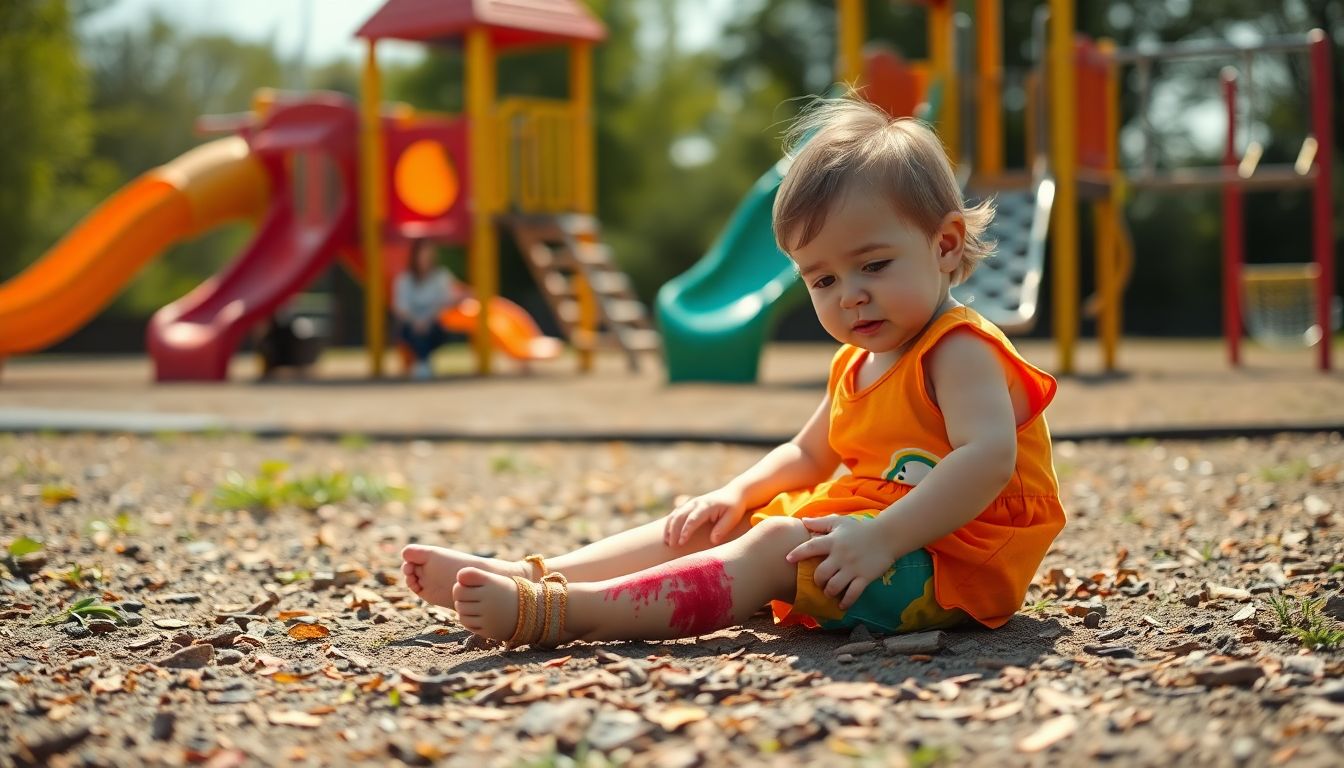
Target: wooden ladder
x=564 y=253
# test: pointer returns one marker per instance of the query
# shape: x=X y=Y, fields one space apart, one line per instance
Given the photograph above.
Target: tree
x=45 y=131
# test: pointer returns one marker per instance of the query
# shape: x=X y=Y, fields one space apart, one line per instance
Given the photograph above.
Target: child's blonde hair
x=840 y=144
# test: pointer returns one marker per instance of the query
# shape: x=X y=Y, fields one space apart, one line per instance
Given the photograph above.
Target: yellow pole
x=1063 y=157
x=942 y=34
x=1108 y=211
x=989 y=61
x=372 y=202
x=850 y=27
x=483 y=253
x=585 y=187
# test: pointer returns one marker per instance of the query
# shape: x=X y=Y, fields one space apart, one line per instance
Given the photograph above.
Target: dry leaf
x=109 y=684
x=287 y=615
x=1003 y=711
x=560 y=662
x=1050 y=733
x=308 y=631
x=290 y=677
x=673 y=718
x=293 y=717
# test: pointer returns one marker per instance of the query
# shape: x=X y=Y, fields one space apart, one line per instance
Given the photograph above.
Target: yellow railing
x=536 y=155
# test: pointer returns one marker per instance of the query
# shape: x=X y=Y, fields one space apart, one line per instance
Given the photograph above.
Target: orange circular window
x=425 y=180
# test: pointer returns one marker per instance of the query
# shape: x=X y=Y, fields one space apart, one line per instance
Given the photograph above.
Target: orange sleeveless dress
x=890 y=435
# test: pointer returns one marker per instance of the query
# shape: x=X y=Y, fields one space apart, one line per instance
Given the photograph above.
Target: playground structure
x=329 y=182
x=717 y=316
x=1276 y=303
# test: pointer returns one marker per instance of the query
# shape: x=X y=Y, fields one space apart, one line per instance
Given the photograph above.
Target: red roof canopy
x=511 y=22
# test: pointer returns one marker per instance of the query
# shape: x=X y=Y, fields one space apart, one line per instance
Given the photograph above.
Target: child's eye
x=823 y=282
x=876 y=266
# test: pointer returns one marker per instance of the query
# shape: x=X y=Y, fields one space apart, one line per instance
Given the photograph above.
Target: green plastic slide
x=717 y=316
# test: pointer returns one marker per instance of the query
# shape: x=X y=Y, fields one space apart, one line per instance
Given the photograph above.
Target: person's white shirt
x=422 y=300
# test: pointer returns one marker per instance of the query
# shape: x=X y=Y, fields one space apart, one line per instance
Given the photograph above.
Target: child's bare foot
x=431 y=572
x=487 y=604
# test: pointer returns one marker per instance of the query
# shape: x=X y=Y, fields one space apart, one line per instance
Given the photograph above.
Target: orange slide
x=208 y=186
x=511 y=328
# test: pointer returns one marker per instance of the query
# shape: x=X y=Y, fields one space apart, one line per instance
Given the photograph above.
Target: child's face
x=874 y=279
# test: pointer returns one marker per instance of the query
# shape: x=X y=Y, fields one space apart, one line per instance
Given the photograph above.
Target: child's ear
x=950 y=241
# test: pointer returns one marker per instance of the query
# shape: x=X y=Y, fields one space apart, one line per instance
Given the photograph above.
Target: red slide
x=194 y=337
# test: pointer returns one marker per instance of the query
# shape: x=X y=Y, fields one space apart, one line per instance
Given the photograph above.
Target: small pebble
x=101 y=626
x=162 y=727
x=1092 y=620
x=228 y=656
x=180 y=598
x=191 y=657
x=183 y=638
x=134 y=606
x=1112 y=634
x=76 y=630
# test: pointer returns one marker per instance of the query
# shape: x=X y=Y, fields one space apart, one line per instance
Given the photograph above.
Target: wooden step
x=594 y=255
x=641 y=340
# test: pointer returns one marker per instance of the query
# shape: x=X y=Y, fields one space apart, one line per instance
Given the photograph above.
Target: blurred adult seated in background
x=419 y=296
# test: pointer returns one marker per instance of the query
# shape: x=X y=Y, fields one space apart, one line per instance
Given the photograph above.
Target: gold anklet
x=539 y=563
x=555 y=589
x=525 y=631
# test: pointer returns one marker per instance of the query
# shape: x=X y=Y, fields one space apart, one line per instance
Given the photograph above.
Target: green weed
x=354 y=441
x=122 y=524
x=85 y=608
x=24 y=546
x=289 y=577
x=78 y=578
x=1312 y=628
x=1282 y=473
x=275 y=487
x=376 y=490
x=1040 y=606
x=55 y=494
x=258 y=494
x=504 y=463
x=318 y=490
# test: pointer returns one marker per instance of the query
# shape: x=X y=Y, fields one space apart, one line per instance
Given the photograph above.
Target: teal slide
x=716 y=317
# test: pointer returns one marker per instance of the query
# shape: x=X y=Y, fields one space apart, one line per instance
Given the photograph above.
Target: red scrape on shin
x=700 y=592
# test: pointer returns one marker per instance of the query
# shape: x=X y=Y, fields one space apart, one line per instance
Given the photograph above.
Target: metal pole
x=1322 y=108
x=1232 y=228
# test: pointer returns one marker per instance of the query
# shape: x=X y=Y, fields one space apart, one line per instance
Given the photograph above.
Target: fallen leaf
x=109 y=684
x=673 y=718
x=291 y=677
x=560 y=662
x=1050 y=733
x=294 y=717
x=287 y=615
x=1003 y=711
x=308 y=631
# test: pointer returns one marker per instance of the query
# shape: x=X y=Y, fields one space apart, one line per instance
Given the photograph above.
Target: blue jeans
x=423 y=344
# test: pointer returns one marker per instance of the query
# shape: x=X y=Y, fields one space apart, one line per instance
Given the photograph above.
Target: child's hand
x=854 y=558
x=723 y=507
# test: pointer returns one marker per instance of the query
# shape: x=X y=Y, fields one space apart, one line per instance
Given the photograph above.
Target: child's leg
x=692 y=595
x=431 y=572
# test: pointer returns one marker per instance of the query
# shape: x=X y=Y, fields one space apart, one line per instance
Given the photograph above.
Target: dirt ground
x=285 y=637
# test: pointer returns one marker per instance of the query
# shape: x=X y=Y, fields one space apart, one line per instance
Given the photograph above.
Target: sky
x=331 y=23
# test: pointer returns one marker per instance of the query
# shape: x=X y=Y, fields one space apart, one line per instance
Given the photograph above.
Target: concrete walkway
x=1168 y=387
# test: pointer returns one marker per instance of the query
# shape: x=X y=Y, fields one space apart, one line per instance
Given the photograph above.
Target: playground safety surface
x=1166 y=388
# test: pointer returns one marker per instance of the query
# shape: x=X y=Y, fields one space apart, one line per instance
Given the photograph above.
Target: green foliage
x=1312 y=628
x=84 y=609
x=46 y=127
x=273 y=488
x=24 y=546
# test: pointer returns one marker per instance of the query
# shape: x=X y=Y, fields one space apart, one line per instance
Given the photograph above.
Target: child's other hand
x=854 y=558
x=723 y=507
